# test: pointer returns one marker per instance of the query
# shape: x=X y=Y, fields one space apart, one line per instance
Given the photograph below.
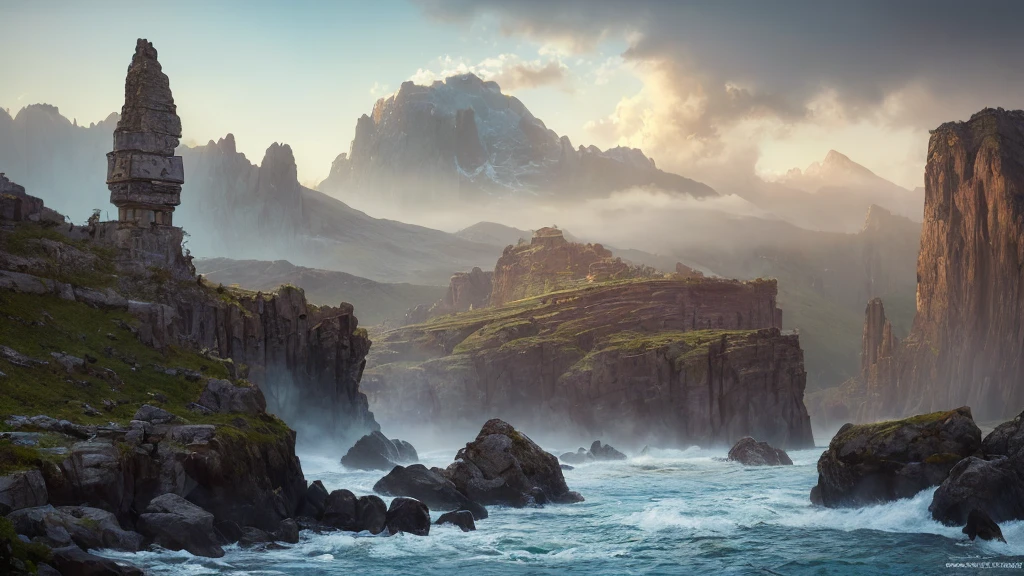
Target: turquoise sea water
x=670 y=512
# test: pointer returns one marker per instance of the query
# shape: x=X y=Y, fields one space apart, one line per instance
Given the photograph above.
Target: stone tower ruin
x=143 y=174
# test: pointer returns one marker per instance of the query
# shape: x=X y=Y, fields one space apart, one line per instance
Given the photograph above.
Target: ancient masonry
x=143 y=174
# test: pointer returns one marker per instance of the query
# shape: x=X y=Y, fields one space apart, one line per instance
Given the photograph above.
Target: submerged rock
x=979 y=525
x=427 y=486
x=461 y=518
x=177 y=524
x=408 y=515
x=73 y=561
x=503 y=466
x=376 y=452
x=870 y=463
x=750 y=452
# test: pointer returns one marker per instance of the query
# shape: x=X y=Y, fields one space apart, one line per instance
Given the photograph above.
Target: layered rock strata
x=676 y=362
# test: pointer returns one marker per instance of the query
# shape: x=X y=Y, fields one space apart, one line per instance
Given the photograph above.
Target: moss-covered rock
x=870 y=463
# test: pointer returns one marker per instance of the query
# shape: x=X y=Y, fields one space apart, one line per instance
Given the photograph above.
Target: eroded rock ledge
x=669 y=361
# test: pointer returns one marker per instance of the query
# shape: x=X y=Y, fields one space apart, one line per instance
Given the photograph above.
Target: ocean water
x=669 y=512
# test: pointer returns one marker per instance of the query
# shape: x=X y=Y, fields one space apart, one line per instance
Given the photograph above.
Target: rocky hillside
x=462 y=140
x=376 y=302
x=964 y=347
x=667 y=361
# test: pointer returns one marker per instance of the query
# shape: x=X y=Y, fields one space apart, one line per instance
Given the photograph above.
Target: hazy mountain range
x=807 y=229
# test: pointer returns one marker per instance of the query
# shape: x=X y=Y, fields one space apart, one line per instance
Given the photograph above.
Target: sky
x=718 y=91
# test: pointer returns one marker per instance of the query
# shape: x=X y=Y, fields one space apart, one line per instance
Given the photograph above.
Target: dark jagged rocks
x=991 y=482
x=408 y=515
x=979 y=525
x=750 y=452
x=871 y=463
x=605 y=452
x=376 y=452
x=504 y=467
x=177 y=524
x=428 y=486
x=461 y=518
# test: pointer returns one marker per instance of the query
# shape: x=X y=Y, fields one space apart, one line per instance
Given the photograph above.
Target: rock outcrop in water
x=672 y=362
x=990 y=482
x=462 y=140
x=504 y=467
x=871 y=463
x=377 y=452
x=964 y=347
x=750 y=452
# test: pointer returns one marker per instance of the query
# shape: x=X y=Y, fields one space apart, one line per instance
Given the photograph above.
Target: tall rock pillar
x=143 y=174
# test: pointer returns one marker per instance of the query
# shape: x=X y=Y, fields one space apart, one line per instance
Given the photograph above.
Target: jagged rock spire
x=143 y=174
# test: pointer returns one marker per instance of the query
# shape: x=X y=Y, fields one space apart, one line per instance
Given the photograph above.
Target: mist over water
x=669 y=512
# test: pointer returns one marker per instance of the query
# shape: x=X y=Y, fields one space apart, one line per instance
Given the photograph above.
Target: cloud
x=530 y=75
x=710 y=69
x=510 y=71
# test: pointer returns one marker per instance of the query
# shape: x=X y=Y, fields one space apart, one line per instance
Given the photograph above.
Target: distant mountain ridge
x=833 y=194
x=462 y=140
x=232 y=207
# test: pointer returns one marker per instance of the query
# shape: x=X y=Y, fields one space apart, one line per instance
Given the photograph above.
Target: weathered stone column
x=143 y=174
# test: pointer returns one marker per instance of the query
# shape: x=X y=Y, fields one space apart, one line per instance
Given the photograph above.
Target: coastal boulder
x=73 y=561
x=992 y=484
x=427 y=486
x=83 y=526
x=750 y=452
x=461 y=518
x=605 y=452
x=979 y=525
x=371 y=514
x=313 y=504
x=884 y=461
x=408 y=515
x=174 y=523
x=376 y=452
x=503 y=466
x=340 y=511
x=995 y=487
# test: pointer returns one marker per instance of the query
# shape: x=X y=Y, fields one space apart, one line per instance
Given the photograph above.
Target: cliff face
x=965 y=344
x=463 y=140
x=308 y=360
x=667 y=361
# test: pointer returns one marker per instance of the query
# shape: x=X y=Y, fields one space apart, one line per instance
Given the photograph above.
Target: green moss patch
x=122 y=370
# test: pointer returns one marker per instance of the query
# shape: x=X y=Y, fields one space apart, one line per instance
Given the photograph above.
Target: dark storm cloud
x=961 y=55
